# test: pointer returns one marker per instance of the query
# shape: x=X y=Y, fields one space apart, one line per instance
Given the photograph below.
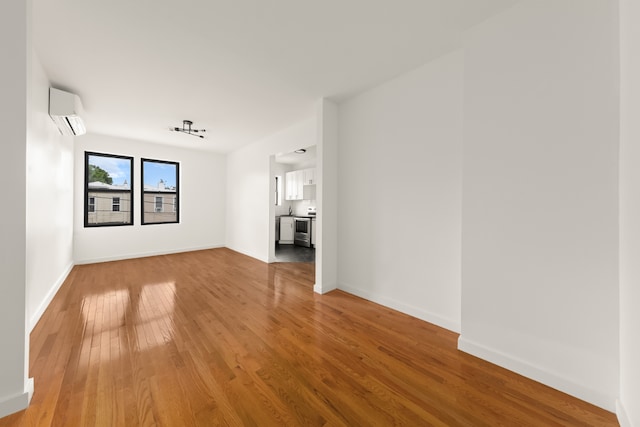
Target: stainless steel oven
x=302 y=235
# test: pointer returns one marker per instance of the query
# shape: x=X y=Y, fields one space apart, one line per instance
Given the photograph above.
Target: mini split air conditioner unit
x=63 y=109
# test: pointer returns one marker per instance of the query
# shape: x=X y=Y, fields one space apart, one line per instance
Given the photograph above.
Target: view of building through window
x=108 y=195
x=160 y=196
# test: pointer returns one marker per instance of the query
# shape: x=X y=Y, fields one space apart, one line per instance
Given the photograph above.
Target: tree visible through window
x=160 y=192
x=107 y=190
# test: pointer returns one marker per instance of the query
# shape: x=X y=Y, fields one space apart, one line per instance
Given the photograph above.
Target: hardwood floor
x=217 y=338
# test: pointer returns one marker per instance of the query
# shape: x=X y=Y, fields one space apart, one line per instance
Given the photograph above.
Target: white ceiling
x=241 y=69
x=308 y=158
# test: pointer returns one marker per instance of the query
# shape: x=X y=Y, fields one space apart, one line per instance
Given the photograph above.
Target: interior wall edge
x=416 y=312
x=18 y=402
x=551 y=379
x=325 y=287
x=621 y=413
x=37 y=314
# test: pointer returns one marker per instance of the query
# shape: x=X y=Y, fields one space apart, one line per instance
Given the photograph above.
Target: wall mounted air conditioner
x=63 y=110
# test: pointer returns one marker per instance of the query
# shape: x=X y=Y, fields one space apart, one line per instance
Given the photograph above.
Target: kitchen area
x=294 y=199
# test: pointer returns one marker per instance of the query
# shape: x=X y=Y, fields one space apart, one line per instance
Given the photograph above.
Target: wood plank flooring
x=213 y=338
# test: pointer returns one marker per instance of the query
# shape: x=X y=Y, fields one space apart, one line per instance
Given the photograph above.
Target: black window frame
x=163 y=194
x=130 y=181
x=278 y=192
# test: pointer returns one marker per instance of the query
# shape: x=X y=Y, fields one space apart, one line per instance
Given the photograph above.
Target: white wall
x=49 y=255
x=539 y=223
x=250 y=212
x=400 y=189
x=15 y=387
x=202 y=204
x=326 y=176
x=629 y=404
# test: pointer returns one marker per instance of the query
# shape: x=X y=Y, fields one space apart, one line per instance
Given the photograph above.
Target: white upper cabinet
x=299 y=184
x=295 y=182
x=309 y=176
x=289 y=186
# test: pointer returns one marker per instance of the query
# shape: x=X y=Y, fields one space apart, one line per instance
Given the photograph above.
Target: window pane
x=278 y=191
x=160 y=191
x=108 y=192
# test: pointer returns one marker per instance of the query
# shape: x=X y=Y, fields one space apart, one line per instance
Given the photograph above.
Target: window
x=108 y=191
x=278 y=191
x=159 y=203
x=160 y=186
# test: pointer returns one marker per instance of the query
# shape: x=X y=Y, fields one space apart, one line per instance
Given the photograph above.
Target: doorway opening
x=294 y=202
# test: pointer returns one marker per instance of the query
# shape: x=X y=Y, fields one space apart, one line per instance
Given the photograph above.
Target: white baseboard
x=318 y=288
x=35 y=317
x=249 y=254
x=553 y=380
x=145 y=254
x=404 y=308
x=17 y=403
x=623 y=418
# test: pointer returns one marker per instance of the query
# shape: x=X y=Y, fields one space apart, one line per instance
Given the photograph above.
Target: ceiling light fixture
x=186 y=128
x=300 y=151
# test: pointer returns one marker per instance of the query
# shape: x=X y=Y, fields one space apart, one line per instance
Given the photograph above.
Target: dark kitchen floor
x=293 y=253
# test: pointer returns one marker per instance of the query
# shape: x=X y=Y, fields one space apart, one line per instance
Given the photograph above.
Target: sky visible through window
x=118 y=169
x=154 y=172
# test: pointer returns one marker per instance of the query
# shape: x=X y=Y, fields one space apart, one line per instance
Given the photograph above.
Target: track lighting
x=186 y=128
